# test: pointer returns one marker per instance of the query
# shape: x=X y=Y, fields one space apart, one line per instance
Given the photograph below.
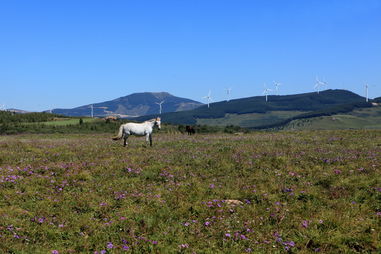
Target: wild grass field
x=263 y=192
x=69 y=121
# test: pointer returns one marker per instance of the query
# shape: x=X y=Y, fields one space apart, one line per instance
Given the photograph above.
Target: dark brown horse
x=190 y=130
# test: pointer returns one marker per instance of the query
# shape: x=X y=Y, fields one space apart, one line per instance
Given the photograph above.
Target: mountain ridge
x=305 y=102
x=136 y=104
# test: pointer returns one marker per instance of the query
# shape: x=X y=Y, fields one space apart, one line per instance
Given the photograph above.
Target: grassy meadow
x=262 y=192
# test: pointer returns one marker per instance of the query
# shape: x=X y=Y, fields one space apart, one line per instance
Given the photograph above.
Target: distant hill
x=359 y=118
x=137 y=104
x=255 y=111
x=347 y=108
x=15 y=110
x=377 y=100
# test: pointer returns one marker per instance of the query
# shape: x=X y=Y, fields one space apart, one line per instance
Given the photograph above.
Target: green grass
x=68 y=121
x=300 y=192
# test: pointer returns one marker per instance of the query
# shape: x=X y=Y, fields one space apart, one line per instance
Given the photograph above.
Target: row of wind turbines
x=266 y=92
x=319 y=85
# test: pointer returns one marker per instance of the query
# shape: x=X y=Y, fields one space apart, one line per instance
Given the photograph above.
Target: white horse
x=138 y=129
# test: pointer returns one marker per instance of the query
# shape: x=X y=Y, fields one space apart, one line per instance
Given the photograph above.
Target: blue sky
x=63 y=54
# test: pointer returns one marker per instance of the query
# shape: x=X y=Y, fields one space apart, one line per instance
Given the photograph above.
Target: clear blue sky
x=63 y=54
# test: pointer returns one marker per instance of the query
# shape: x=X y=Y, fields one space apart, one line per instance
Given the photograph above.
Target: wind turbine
x=319 y=84
x=366 y=92
x=208 y=98
x=160 y=103
x=92 y=109
x=228 y=91
x=266 y=92
x=277 y=84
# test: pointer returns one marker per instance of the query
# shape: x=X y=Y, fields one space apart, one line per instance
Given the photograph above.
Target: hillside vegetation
x=361 y=118
x=250 y=120
x=11 y=123
x=308 y=102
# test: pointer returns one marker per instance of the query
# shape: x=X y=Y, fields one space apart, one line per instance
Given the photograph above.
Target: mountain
x=137 y=104
x=254 y=112
x=15 y=110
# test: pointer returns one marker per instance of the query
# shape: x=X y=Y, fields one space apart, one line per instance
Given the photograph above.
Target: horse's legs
x=125 y=139
x=150 y=139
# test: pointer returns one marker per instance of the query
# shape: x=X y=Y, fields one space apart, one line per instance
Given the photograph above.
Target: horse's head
x=158 y=122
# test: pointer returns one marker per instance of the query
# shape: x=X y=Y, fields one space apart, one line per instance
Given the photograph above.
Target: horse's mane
x=153 y=119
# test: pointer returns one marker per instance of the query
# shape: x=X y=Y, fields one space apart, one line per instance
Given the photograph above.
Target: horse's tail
x=120 y=133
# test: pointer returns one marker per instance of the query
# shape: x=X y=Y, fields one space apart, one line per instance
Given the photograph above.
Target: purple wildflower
x=184 y=246
x=287 y=190
x=305 y=223
x=110 y=245
x=337 y=171
x=290 y=243
x=243 y=237
x=55 y=252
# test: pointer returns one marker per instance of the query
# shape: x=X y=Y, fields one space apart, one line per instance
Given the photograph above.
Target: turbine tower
x=228 y=91
x=160 y=103
x=277 y=84
x=319 y=84
x=92 y=109
x=266 y=92
x=208 y=98
x=366 y=92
